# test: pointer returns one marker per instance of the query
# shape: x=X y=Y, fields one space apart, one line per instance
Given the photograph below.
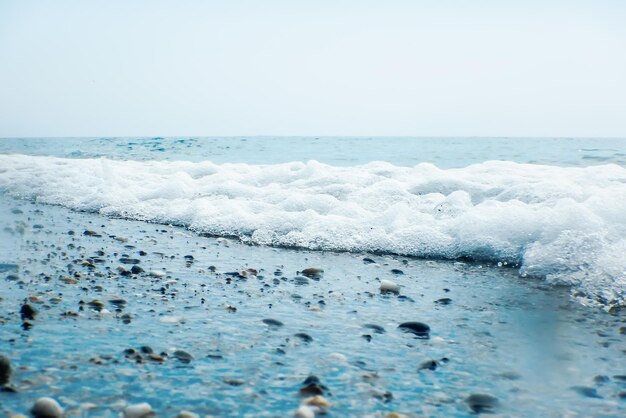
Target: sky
x=271 y=67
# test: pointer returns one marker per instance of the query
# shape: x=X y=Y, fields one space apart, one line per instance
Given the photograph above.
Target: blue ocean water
x=342 y=151
x=511 y=250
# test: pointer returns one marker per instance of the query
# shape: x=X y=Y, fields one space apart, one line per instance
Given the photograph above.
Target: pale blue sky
x=425 y=68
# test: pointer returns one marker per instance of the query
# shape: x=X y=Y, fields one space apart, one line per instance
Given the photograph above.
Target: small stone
x=586 y=391
x=272 y=323
x=136 y=270
x=304 y=412
x=183 y=356
x=157 y=274
x=140 y=410
x=443 y=301
x=187 y=414
x=304 y=337
x=397 y=272
x=420 y=329
x=127 y=260
x=428 y=365
x=300 y=281
x=601 y=379
x=396 y=415
x=96 y=305
x=47 y=408
x=27 y=311
x=389 y=286
x=368 y=260
x=376 y=328
x=317 y=401
x=480 y=402
x=5 y=370
x=146 y=349
x=91 y=233
x=312 y=272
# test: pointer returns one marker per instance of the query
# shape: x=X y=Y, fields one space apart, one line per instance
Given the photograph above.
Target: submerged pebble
x=480 y=402
x=418 y=328
x=140 y=410
x=47 y=408
x=389 y=286
x=5 y=370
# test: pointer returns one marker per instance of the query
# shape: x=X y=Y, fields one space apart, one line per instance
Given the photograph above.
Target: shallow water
x=517 y=339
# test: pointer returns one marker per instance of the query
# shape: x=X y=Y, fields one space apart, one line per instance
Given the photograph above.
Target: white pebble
x=304 y=412
x=48 y=408
x=389 y=286
x=187 y=414
x=139 y=410
x=338 y=357
x=156 y=273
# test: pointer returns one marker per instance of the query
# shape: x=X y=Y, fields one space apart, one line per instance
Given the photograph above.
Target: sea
x=241 y=276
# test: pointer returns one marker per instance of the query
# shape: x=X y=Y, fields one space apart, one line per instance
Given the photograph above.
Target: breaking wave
x=567 y=225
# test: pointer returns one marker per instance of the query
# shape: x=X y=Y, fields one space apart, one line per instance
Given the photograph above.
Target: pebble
x=480 y=402
x=396 y=415
x=397 y=271
x=304 y=412
x=428 y=365
x=313 y=272
x=183 y=356
x=586 y=391
x=5 y=370
x=304 y=337
x=157 y=274
x=376 y=328
x=127 y=260
x=136 y=270
x=47 y=408
x=28 y=312
x=317 y=401
x=418 y=328
x=140 y=410
x=389 y=286
x=272 y=323
x=187 y=414
x=174 y=319
x=443 y=301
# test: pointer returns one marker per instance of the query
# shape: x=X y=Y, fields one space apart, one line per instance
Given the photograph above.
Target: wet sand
x=219 y=328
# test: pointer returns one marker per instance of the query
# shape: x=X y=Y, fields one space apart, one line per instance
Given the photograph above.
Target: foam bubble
x=565 y=224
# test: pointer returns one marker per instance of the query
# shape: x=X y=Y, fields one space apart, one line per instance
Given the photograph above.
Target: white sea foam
x=565 y=224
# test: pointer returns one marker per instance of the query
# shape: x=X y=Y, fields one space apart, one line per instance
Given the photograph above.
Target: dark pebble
x=601 y=379
x=91 y=233
x=27 y=312
x=443 y=301
x=480 y=402
x=300 y=281
x=428 y=365
x=418 y=328
x=367 y=337
x=272 y=322
x=620 y=377
x=127 y=260
x=586 y=391
x=397 y=271
x=13 y=277
x=312 y=386
x=376 y=328
x=304 y=337
x=136 y=270
x=368 y=260
x=146 y=349
x=183 y=356
x=5 y=370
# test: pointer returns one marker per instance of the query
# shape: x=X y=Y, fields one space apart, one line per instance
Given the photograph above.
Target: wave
x=564 y=224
